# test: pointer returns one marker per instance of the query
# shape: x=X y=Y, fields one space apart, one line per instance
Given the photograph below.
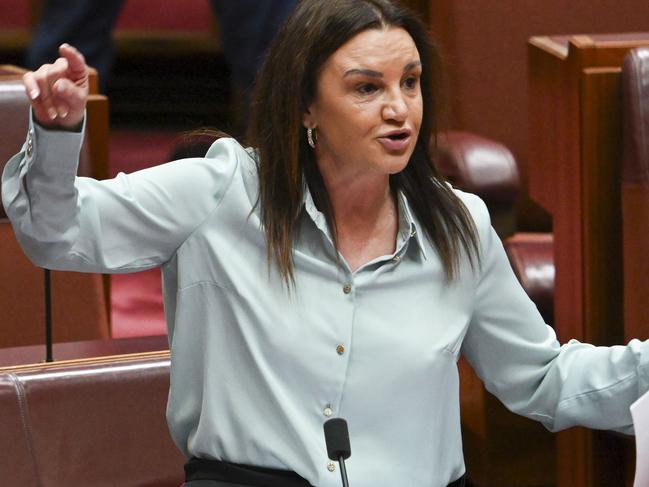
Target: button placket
x=344 y=337
x=30 y=143
x=327 y=411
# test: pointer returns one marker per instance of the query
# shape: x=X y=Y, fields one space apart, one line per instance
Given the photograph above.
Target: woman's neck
x=360 y=203
x=366 y=218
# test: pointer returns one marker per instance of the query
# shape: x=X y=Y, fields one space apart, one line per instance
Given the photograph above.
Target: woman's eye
x=366 y=88
x=411 y=82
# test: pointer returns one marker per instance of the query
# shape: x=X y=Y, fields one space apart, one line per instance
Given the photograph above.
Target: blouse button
x=396 y=259
x=340 y=349
x=331 y=466
x=327 y=411
x=347 y=288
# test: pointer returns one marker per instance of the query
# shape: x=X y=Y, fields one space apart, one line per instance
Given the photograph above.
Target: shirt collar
x=408 y=225
x=316 y=215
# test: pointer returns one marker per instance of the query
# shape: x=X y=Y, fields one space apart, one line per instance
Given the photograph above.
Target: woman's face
x=368 y=106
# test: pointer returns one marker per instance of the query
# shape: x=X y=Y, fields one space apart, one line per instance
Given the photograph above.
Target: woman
x=329 y=272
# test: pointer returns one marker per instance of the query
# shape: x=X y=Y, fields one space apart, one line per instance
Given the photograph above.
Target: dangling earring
x=311 y=137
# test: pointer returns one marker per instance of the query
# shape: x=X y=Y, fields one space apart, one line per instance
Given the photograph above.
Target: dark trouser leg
x=86 y=24
x=247 y=28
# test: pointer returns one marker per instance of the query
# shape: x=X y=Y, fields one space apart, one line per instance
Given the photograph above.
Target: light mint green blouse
x=256 y=370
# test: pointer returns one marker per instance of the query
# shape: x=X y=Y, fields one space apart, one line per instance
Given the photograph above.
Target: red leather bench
x=91 y=423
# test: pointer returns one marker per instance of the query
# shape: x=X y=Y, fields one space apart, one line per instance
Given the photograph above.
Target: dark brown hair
x=285 y=88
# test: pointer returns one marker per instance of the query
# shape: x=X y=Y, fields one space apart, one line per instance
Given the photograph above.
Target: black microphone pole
x=337 y=440
x=48 y=317
x=343 y=471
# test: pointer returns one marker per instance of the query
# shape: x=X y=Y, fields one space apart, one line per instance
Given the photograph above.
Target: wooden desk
x=19 y=357
x=575 y=173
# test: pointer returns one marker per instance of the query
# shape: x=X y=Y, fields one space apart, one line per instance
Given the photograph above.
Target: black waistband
x=459 y=482
x=199 y=469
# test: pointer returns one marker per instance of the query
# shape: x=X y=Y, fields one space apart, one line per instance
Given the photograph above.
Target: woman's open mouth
x=396 y=141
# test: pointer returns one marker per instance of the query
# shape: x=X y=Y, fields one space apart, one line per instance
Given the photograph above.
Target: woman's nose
x=395 y=107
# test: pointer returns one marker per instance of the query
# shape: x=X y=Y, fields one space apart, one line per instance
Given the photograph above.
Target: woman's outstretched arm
x=520 y=360
x=124 y=224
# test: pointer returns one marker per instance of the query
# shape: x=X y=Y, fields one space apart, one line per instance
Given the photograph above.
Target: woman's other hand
x=58 y=92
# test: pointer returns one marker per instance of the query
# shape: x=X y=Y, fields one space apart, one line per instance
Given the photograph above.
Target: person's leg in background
x=86 y=24
x=247 y=28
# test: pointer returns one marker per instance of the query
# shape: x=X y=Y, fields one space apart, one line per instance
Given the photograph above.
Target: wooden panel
x=10 y=71
x=588 y=282
x=552 y=118
x=575 y=118
x=78 y=300
x=499 y=445
x=601 y=148
x=82 y=352
x=605 y=49
x=97 y=135
x=635 y=215
x=98 y=131
x=555 y=172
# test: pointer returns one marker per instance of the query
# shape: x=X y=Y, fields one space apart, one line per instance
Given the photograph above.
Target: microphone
x=337 y=440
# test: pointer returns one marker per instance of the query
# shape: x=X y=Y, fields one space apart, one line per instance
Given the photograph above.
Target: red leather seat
x=487 y=168
x=484 y=167
x=531 y=257
x=88 y=423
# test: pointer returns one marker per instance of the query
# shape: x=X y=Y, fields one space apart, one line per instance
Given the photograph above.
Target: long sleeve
x=124 y=224
x=520 y=360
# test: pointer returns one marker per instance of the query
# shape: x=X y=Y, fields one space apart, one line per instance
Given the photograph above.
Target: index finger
x=31 y=86
x=76 y=61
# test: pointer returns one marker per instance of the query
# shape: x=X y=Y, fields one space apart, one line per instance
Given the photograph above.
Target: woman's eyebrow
x=376 y=74
x=411 y=65
x=365 y=72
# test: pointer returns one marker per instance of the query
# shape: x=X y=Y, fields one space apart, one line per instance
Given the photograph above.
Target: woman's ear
x=309 y=119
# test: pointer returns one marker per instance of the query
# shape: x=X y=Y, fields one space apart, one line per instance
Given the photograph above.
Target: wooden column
x=575 y=173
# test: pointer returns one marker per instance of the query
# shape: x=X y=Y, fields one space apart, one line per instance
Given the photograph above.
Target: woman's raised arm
x=125 y=224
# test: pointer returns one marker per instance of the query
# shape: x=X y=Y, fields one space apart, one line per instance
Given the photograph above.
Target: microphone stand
x=343 y=471
x=48 y=317
x=338 y=447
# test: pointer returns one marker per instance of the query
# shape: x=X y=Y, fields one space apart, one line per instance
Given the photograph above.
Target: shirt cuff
x=53 y=152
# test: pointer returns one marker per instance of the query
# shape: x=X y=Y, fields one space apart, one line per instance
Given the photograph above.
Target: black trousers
x=214 y=473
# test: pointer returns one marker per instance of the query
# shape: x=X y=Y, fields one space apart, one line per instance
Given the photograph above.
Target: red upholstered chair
x=96 y=422
x=531 y=257
x=484 y=167
x=80 y=304
x=487 y=168
x=635 y=192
